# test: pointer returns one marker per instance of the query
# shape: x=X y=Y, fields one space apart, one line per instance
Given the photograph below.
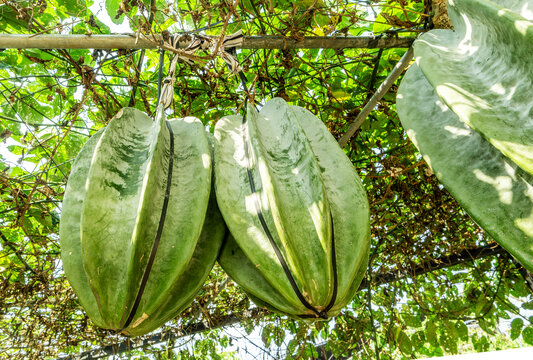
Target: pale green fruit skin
x=494 y=191
x=483 y=71
x=467 y=105
x=308 y=192
x=111 y=212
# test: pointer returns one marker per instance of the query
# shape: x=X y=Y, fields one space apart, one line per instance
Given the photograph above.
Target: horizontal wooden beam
x=129 y=41
x=326 y=42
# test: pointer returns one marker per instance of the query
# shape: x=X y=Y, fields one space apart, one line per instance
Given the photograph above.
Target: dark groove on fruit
x=158 y=234
x=277 y=251
x=334 y=266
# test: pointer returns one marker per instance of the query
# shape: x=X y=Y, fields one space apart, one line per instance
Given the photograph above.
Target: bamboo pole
x=378 y=95
x=129 y=41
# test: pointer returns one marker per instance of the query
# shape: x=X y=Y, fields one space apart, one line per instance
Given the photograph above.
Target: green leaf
x=9 y=17
x=481 y=304
x=527 y=335
x=279 y=335
x=42 y=217
x=462 y=330
x=73 y=7
x=321 y=20
x=248 y=327
x=431 y=333
x=528 y=305
x=248 y=5
x=266 y=335
x=418 y=340
x=405 y=343
x=112 y=7
x=413 y=320
x=516 y=327
x=341 y=95
x=482 y=344
x=310 y=351
x=449 y=343
x=487 y=326
x=4 y=263
x=16 y=149
x=380 y=25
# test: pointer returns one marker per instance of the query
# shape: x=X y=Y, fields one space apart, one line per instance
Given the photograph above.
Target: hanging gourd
x=296 y=210
x=135 y=247
x=467 y=105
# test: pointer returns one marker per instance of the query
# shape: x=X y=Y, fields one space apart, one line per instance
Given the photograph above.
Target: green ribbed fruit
x=467 y=105
x=113 y=210
x=296 y=210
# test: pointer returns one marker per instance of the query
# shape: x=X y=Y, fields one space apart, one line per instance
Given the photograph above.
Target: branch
x=380 y=92
x=163 y=336
x=130 y=41
x=17 y=252
x=195 y=328
x=436 y=264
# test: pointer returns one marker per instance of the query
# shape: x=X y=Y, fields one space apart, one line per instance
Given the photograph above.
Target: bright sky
x=98 y=9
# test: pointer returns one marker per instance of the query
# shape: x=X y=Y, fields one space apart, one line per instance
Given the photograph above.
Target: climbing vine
x=436 y=283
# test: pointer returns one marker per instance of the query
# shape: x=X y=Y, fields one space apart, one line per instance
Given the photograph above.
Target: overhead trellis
x=436 y=281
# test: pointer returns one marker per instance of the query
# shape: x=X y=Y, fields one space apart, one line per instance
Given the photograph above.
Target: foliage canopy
x=436 y=283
